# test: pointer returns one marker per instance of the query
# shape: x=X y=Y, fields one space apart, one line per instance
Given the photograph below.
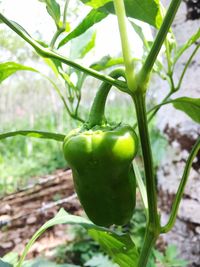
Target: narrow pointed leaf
x=107 y=62
x=9 y=68
x=140 y=33
x=35 y=134
x=53 y=8
x=93 y=17
x=96 y=3
x=89 y=45
x=114 y=245
x=105 y=236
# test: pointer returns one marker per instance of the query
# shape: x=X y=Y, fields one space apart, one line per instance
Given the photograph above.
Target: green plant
x=170 y=257
x=120 y=247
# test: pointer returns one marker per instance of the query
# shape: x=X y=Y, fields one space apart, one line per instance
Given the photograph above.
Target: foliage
x=123 y=250
x=83 y=251
x=170 y=257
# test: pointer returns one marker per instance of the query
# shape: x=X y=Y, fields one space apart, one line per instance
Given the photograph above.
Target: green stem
x=181 y=188
x=65 y=13
x=168 y=56
x=169 y=65
x=96 y=116
x=153 y=226
x=71 y=114
x=186 y=66
x=173 y=88
x=60 y=29
x=55 y=37
x=155 y=110
x=162 y=33
x=141 y=186
x=45 y=52
x=122 y=20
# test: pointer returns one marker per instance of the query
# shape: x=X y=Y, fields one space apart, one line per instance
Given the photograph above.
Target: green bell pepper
x=100 y=156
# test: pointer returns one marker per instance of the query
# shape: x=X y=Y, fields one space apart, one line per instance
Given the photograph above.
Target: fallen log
x=22 y=213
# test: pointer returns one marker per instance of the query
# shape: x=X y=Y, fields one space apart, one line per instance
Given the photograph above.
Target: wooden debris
x=22 y=213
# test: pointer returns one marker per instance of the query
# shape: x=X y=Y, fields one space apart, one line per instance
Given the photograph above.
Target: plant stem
x=45 y=52
x=60 y=29
x=141 y=186
x=152 y=230
x=181 y=188
x=96 y=116
x=153 y=226
x=65 y=13
x=155 y=110
x=55 y=37
x=162 y=33
x=122 y=20
x=72 y=115
x=186 y=67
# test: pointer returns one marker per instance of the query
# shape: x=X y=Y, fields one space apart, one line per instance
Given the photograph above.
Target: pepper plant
x=100 y=154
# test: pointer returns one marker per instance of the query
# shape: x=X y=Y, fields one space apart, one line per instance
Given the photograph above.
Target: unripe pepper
x=100 y=156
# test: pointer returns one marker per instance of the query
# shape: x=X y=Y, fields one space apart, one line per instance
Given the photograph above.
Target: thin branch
x=181 y=188
x=141 y=186
x=157 y=44
x=65 y=13
x=186 y=67
x=55 y=37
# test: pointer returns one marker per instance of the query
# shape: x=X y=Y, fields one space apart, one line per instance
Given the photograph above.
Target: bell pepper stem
x=97 y=112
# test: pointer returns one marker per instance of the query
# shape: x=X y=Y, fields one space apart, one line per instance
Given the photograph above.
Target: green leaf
x=120 y=248
x=107 y=62
x=53 y=64
x=146 y=10
x=35 y=134
x=171 y=252
x=159 y=256
x=95 y=3
x=93 y=17
x=53 y=9
x=191 y=106
x=140 y=33
x=82 y=43
x=11 y=257
x=9 y=68
x=113 y=243
x=184 y=47
x=5 y=264
x=89 y=45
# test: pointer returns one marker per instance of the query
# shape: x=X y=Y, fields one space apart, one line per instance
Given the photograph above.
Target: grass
x=22 y=158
